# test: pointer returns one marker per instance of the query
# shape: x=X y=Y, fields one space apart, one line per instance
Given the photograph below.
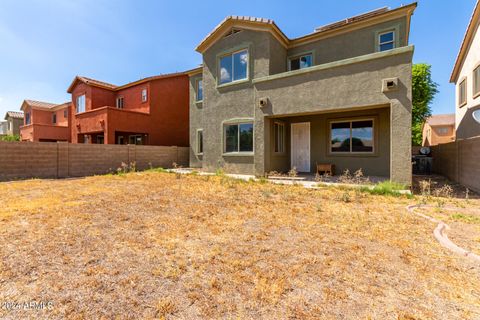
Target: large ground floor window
x=352 y=136
x=238 y=137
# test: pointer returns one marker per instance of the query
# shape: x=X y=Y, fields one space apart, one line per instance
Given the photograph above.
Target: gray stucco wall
x=196 y=122
x=352 y=44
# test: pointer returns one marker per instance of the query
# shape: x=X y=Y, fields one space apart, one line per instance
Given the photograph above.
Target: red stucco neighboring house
x=45 y=122
x=150 y=111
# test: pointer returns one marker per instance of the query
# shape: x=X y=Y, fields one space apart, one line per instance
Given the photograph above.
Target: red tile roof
x=44 y=105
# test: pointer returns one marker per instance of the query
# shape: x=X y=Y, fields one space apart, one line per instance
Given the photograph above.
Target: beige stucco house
x=466 y=76
x=341 y=95
x=438 y=129
x=13 y=121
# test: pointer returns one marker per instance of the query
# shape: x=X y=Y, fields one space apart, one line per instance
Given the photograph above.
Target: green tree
x=424 y=90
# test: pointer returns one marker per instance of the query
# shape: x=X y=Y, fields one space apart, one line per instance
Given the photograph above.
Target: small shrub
x=445 y=191
x=426 y=187
x=293 y=172
x=10 y=138
x=219 y=172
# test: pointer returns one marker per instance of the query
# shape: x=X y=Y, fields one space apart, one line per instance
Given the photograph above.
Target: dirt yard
x=160 y=245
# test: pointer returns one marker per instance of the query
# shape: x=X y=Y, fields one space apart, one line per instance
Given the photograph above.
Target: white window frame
x=393 y=41
x=299 y=56
x=9 y=124
x=80 y=98
x=231 y=54
x=144 y=95
x=461 y=102
x=196 y=90
x=237 y=123
x=351 y=120
x=120 y=102
x=281 y=143
x=197 y=147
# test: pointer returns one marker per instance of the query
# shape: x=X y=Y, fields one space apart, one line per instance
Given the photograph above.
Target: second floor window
x=199 y=90
x=65 y=113
x=386 y=41
x=80 y=103
x=54 y=118
x=234 y=67
x=144 y=95
x=462 y=93
x=476 y=81
x=27 y=118
x=300 y=62
x=120 y=102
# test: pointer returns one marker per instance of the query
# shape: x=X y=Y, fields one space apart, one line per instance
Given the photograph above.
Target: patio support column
x=400 y=141
x=259 y=145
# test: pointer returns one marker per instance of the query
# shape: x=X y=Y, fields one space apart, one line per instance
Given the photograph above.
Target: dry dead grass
x=157 y=245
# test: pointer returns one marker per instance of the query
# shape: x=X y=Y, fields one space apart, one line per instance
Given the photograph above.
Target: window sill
x=238 y=154
x=475 y=96
x=199 y=154
x=199 y=102
x=228 y=84
x=352 y=154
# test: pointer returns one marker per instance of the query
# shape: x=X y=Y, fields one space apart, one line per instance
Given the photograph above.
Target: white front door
x=300 y=146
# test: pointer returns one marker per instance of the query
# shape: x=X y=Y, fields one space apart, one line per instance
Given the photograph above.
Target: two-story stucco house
x=341 y=95
x=45 y=121
x=466 y=76
x=149 y=111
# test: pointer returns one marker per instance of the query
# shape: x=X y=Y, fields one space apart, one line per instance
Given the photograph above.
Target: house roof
x=43 y=105
x=467 y=40
x=14 y=115
x=268 y=25
x=441 y=120
x=112 y=87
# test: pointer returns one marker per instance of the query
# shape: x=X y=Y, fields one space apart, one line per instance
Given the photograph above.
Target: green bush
x=386 y=188
x=14 y=137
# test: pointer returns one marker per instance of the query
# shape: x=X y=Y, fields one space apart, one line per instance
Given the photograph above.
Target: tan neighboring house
x=466 y=76
x=438 y=129
x=13 y=121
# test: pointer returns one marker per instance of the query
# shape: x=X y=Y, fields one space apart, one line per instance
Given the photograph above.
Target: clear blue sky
x=45 y=43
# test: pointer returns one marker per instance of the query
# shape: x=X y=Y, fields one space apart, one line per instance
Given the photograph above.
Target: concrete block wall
x=458 y=161
x=23 y=160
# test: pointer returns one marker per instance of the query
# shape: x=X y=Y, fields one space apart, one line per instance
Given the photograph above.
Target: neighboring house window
x=144 y=95
x=135 y=139
x=120 y=140
x=199 y=90
x=238 y=137
x=27 y=118
x=279 y=135
x=9 y=123
x=351 y=136
x=100 y=139
x=476 y=81
x=86 y=138
x=386 y=41
x=54 y=118
x=300 y=62
x=81 y=103
x=65 y=113
x=462 y=93
x=120 y=102
x=200 y=141
x=442 y=131
x=234 y=67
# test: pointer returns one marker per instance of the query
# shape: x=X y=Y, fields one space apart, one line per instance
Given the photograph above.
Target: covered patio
x=353 y=140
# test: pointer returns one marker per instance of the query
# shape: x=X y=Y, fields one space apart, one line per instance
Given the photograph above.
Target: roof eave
x=469 y=33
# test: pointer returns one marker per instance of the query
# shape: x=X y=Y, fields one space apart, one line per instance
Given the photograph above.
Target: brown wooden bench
x=326 y=168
